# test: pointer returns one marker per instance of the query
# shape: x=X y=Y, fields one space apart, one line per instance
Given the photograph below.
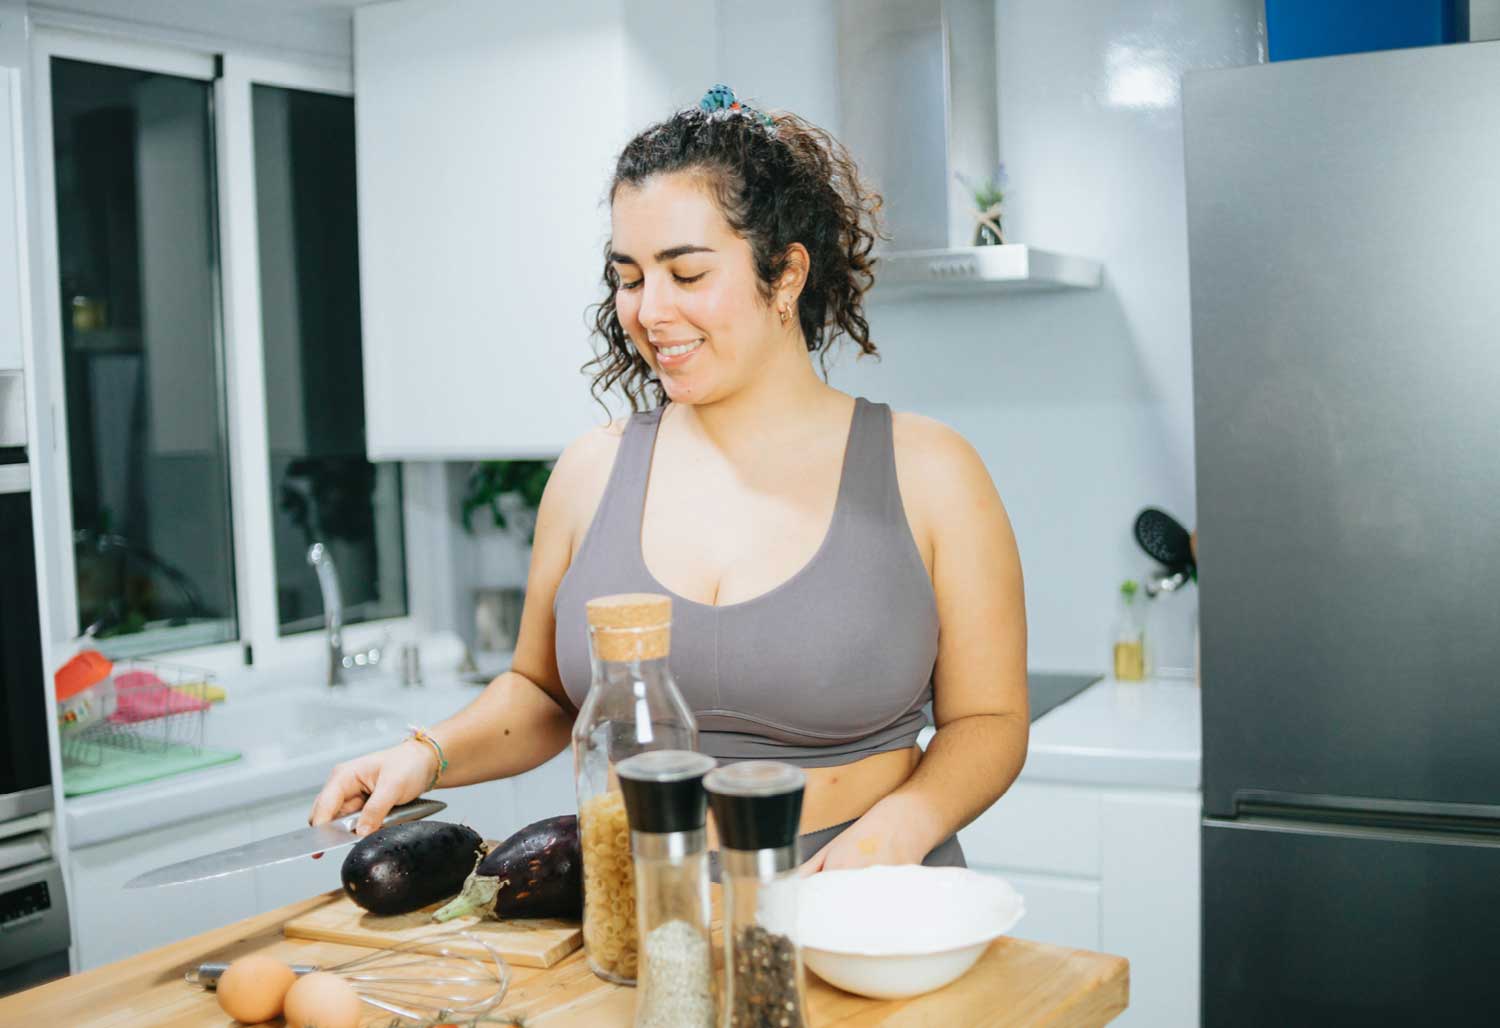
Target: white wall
x=1484 y=20
x=1081 y=404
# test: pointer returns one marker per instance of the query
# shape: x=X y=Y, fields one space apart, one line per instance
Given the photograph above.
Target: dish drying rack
x=144 y=706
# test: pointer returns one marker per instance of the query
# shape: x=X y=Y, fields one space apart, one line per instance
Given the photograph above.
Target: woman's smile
x=672 y=355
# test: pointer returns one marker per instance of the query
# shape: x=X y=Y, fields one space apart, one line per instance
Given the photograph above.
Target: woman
x=832 y=566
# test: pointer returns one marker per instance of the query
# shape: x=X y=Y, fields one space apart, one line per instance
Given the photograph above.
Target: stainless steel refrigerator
x=1344 y=232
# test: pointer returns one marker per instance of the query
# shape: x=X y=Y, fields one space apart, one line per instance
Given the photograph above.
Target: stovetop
x=1049 y=689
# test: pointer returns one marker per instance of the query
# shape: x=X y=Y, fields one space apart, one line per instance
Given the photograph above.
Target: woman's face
x=688 y=295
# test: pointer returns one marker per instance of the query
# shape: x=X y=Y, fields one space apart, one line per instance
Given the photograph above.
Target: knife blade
x=278 y=849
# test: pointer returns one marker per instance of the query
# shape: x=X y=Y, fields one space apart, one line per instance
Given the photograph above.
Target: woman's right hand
x=374 y=784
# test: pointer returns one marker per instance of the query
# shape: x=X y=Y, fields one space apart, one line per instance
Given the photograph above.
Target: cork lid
x=630 y=626
x=629 y=610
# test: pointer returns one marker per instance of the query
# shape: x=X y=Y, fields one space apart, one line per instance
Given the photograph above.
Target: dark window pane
x=138 y=260
x=323 y=488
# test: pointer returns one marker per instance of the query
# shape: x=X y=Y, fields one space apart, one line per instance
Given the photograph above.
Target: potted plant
x=505 y=494
x=510 y=490
x=989 y=199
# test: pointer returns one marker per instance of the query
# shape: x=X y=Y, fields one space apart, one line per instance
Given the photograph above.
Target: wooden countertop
x=1015 y=983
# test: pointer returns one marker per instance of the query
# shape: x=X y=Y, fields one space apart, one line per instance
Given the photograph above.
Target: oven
x=34 y=933
x=25 y=768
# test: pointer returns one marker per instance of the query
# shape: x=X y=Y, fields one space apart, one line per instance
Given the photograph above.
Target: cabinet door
x=486 y=134
x=1149 y=906
x=1052 y=829
x=12 y=239
x=113 y=922
x=1059 y=911
x=1352 y=925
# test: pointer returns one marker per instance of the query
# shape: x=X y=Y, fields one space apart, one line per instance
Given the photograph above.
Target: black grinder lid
x=663 y=790
x=757 y=804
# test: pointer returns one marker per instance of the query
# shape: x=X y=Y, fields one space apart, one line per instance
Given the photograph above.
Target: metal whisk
x=424 y=980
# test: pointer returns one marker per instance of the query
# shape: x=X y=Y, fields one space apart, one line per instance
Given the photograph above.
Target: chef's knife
x=277 y=849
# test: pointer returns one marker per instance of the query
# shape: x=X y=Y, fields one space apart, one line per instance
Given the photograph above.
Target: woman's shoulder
x=931 y=448
x=937 y=468
x=581 y=474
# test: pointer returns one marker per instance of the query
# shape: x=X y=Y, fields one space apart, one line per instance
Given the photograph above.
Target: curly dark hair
x=778 y=181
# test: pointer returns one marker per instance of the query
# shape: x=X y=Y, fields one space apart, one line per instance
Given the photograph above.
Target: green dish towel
x=128 y=767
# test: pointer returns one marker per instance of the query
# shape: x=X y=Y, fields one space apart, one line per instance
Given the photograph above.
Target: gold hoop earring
x=783 y=315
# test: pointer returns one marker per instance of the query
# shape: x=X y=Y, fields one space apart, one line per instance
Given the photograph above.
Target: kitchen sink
x=296 y=723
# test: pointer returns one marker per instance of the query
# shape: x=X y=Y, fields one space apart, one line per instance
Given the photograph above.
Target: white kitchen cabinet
x=1043 y=827
x=113 y=922
x=1152 y=917
x=486 y=134
x=1106 y=869
x=12 y=222
x=1060 y=911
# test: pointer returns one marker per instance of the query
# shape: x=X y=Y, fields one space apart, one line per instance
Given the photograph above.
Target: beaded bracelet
x=420 y=735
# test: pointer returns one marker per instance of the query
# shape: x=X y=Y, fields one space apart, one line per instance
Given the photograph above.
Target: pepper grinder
x=757 y=808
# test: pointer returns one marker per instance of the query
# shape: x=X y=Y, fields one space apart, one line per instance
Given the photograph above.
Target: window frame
x=232 y=76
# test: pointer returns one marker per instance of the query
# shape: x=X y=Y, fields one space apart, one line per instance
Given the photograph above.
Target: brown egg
x=322 y=1001
x=252 y=988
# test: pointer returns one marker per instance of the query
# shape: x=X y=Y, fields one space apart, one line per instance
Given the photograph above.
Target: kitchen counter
x=1015 y=983
x=1131 y=734
x=1146 y=735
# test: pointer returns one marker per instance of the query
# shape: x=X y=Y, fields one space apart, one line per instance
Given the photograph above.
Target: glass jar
x=668 y=809
x=757 y=807
x=632 y=706
x=1130 y=634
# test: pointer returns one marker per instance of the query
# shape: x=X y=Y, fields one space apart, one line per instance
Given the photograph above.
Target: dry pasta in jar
x=609 y=926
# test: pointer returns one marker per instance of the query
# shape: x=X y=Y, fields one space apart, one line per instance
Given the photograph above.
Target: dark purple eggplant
x=538 y=872
x=404 y=867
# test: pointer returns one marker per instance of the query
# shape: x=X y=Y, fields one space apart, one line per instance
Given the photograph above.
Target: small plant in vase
x=495 y=485
x=510 y=491
x=989 y=200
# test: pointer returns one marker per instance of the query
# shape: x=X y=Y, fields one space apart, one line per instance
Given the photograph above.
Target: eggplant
x=404 y=867
x=538 y=872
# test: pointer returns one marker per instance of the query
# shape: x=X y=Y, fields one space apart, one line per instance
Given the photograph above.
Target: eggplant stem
x=478 y=897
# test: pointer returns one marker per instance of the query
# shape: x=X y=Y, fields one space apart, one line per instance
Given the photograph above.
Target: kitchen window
x=204 y=340
x=322 y=487
x=137 y=251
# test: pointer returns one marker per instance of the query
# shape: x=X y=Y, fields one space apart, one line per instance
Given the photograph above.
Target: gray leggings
x=947 y=854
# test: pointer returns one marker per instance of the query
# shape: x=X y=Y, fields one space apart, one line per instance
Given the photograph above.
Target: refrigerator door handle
x=1306 y=826
x=1390 y=813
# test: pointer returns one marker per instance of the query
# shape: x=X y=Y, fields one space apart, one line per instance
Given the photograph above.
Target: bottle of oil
x=1130 y=634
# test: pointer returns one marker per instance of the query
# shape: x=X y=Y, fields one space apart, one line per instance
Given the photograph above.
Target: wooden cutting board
x=525 y=943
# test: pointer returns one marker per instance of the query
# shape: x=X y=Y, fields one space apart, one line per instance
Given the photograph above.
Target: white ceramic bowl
x=891 y=932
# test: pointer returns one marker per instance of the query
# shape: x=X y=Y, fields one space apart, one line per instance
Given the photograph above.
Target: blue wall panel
x=1319 y=28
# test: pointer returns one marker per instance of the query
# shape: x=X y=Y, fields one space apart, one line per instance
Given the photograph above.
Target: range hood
x=918 y=95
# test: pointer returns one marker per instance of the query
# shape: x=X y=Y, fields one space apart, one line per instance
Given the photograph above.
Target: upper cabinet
x=486 y=135
x=12 y=220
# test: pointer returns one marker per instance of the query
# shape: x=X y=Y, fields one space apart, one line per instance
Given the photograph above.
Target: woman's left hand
x=893 y=831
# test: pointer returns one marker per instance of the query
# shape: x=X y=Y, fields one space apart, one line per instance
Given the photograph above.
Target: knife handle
x=413 y=811
x=208 y=975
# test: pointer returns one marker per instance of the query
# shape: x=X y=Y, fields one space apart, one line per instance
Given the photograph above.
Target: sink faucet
x=339 y=661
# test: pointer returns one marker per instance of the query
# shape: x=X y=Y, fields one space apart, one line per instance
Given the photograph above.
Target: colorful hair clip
x=721 y=98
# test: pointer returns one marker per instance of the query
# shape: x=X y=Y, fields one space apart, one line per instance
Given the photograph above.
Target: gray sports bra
x=832 y=665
